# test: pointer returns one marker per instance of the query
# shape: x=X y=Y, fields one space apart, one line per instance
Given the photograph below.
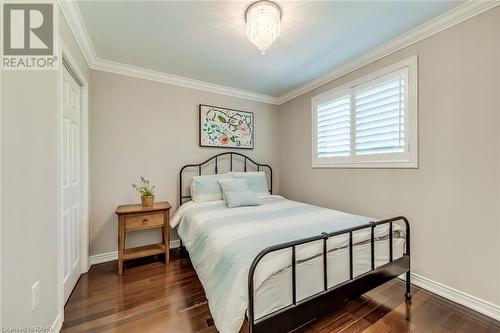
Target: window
x=370 y=122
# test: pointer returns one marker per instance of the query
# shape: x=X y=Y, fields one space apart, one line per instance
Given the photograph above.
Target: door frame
x=67 y=58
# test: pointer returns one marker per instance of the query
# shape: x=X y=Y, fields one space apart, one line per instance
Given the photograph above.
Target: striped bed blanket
x=223 y=242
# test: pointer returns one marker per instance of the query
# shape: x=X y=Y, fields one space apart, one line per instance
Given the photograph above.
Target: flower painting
x=225 y=128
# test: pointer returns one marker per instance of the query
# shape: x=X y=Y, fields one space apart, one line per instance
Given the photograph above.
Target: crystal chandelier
x=263 y=23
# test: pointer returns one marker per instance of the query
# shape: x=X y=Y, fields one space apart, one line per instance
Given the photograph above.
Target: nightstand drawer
x=144 y=221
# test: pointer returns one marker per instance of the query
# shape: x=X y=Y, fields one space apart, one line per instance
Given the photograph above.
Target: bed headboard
x=231 y=161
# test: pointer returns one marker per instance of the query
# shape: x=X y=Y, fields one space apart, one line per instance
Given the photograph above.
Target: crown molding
x=181 y=81
x=75 y=21
x=438 y=24
x=459 y=14
x=74 y=18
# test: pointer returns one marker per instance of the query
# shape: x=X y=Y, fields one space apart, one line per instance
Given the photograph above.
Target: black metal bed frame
x=303 y=311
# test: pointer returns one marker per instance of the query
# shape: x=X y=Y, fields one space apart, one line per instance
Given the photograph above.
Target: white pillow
x=256 y=180
x=232 y=184
x=241 y=198
x=206 y=188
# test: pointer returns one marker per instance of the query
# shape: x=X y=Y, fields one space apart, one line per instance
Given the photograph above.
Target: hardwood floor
x=151 y=297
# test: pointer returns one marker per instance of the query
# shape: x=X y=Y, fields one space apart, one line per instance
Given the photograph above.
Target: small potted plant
x=147 y=192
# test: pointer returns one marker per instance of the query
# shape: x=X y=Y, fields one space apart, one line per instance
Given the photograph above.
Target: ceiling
x=206 y=41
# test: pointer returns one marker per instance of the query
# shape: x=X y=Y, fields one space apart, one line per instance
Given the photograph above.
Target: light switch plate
x=35 y=295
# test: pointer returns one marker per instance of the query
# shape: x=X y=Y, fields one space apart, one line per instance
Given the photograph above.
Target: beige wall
x=452 y=199
x=146 y=128
x=29 y=243
x=29 y=225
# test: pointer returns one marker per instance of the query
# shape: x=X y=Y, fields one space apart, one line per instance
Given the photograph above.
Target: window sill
x=365 y=165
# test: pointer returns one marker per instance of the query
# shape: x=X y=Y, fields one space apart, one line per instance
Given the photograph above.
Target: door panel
x=66 y=221
x=76 y=236
x=71 y=184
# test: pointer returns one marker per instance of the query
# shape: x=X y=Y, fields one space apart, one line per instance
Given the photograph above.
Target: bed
x=283 y=263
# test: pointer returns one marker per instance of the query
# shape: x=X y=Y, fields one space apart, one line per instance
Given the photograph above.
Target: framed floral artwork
x=226 y=128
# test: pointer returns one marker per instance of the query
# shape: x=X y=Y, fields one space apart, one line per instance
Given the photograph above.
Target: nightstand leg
x=121 y=244
x=166 y=243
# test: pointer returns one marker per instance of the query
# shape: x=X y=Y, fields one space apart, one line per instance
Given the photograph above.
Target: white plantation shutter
x=370 y=122
x=380 y=113
x=334 y=127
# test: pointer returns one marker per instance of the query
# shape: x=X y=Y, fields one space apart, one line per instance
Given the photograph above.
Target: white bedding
x=223 y=242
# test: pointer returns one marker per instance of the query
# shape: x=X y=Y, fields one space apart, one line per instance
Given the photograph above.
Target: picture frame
x=221 y=127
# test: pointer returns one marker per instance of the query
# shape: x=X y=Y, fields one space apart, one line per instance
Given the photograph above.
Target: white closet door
x=71 y=182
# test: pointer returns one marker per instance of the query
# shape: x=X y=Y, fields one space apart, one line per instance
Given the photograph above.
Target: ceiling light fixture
x=263 y=23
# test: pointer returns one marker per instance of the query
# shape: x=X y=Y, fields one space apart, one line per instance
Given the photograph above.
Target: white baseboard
x=110 y=256
x=175 y=244
x=57 y=324
x=457 y=296
x=103 y=257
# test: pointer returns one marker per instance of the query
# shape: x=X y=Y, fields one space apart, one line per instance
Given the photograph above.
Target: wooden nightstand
x=136 y=217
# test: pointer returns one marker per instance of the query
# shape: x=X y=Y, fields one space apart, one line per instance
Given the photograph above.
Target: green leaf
x=232 y=138
x=222 y=119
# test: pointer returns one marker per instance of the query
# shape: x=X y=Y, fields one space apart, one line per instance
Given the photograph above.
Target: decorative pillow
x=233 y=184
x=256 y=180
x=241 y=198
x=206 y=188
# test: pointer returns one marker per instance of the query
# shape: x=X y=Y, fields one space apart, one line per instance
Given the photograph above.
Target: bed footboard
x=303 y=311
